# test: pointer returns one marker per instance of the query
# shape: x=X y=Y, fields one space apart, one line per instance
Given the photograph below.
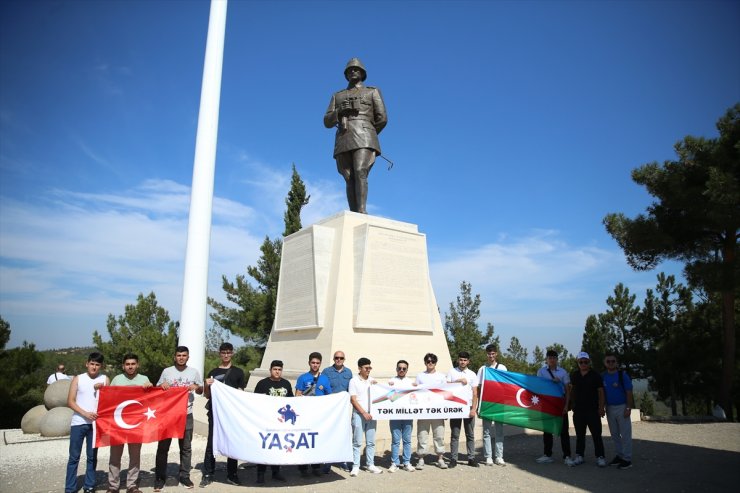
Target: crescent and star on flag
x=118 y=414
x=535 y=400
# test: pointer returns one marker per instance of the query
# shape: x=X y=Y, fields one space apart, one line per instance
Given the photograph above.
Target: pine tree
x=144 y=329
x=251 y=312
x=461 y=327
x=694 y=219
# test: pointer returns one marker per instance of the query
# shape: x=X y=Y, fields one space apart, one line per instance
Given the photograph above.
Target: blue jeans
x=77 y=435
x=498 y=437
x=401 y=430
x=360 y=427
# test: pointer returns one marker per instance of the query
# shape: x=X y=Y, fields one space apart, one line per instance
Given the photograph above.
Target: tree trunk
x=728 y=324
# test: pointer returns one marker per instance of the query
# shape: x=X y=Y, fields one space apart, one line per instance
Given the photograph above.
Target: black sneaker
x=278 y=476
x=159 y=485
x=233 y=480
x=626 y=464
x=260 y=477
x=205 y=481
x=616 y=461
x=453 y=463
x=187 y=483
x=473 y=463
x=88 y=490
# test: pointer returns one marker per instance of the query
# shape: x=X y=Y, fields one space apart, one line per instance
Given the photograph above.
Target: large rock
x=56 y=422
x=56 y=394
x=31 y=422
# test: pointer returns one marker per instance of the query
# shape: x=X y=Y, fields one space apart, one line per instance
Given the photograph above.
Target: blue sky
x=513 y=126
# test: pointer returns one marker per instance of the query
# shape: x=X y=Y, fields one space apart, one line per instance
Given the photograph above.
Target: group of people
x=401 y=430
x=588 y=394
x=83 y=398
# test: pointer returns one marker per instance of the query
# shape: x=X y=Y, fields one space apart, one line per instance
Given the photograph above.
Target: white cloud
x=89 y=254
x=537 y=287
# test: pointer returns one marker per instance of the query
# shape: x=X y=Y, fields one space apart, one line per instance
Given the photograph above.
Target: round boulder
x=56 y=422
x=31 y=422
x=56 y=394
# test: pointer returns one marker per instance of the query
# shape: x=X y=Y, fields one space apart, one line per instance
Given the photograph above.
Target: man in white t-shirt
x=178 y=375
x=362 y=421
x=432 y=378
x=465 y=376
x=401 y=429
x=498 y=428
x=60 y=374
x=553 y=372
x=83 y=401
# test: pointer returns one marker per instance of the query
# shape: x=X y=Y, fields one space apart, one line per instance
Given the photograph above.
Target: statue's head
x=355 y=62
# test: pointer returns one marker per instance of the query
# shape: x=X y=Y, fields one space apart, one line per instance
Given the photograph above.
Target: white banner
x=451 y=400
x=280 y=430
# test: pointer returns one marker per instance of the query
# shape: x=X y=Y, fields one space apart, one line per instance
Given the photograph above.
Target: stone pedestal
x=359 y=284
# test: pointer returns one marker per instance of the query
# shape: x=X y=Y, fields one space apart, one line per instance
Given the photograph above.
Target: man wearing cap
x=359 y=114
x=277 y=386
x=587 y=396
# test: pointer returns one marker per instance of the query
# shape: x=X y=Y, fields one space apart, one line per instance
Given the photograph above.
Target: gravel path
x=667 y=457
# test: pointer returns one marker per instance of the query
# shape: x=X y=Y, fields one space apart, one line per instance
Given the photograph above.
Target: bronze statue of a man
x=359 y=114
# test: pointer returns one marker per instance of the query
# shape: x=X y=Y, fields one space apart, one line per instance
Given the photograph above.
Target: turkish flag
x=132 y=414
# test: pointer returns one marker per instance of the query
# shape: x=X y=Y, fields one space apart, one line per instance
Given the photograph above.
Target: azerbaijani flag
x=522 y=400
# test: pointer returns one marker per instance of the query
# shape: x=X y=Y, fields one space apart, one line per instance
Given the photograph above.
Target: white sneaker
x=568 y=462
x=420 y=465
x=545 y=459
x=441 y=464
x=499 y=461
x=393 y=468
x=577 y=461
x=374 y=469
x=408 y=467
x=354 y=472
x=601 y=462
x=489 y=461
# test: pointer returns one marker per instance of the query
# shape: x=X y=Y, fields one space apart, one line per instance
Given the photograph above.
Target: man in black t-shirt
x=233 y=377
x=274 y=385
x=587 y=396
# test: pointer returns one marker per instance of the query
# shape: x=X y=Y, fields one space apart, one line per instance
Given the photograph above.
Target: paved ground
x=668 y=457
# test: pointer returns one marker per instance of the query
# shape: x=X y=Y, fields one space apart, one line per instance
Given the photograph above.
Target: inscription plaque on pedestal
x=304 y=270
x=393 y=291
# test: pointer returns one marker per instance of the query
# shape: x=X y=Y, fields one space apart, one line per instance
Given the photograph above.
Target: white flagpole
x=195 y=284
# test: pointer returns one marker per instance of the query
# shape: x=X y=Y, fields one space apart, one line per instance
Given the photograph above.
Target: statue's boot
x=361 y=186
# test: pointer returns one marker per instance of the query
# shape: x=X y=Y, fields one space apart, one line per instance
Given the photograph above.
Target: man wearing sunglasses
x=587 y=395
x=619 y=404
x=339 y=377
x=338 y=374
x=401 y=429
